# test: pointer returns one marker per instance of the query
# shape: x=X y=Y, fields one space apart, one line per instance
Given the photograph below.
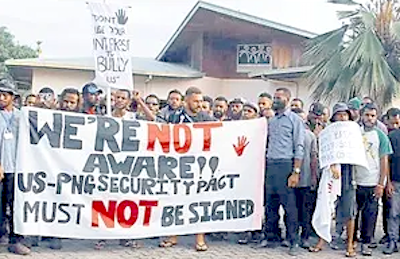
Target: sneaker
x=365 y=250
x=305 y=244
x=294 y=250
x=391 y=248
x=373 y=244
x=19 y=249
x=55 y=243
x=285 y=243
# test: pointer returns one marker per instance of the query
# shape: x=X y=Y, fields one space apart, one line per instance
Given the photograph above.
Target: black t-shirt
x=394 y=137
x=182 y=116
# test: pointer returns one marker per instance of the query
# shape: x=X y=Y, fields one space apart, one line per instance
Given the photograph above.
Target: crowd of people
x=292 y=171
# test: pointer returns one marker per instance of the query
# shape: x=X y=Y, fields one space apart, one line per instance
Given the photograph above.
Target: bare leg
x=350 y=238
x=201 y=242
x=169 y=241
x=318 y=247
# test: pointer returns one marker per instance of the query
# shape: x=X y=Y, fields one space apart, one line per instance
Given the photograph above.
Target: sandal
x=167 y=243
x=100 y=245
x=351 y=253
x=201 y=247
x=315 y=249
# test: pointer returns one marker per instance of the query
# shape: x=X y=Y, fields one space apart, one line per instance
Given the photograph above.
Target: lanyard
x=9 y=121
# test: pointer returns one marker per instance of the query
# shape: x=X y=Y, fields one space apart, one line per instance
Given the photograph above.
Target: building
x=221 y=51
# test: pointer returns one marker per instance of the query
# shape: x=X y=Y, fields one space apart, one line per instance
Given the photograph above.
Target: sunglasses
x=46 y=96
x=152 y=104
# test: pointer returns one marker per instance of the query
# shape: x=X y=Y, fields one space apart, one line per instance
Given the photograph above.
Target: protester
x=191 y=113
x=250 y=111
x=207 y=105
x=174 y=103
x=17 y=101
x=346 y=205
x=30 y=100
x=265 y=105
x=286 y=133
x=153 y=103
x=9 y=127
x=46 y=98
x=306 y=189
x=220 y=108
x=91 y=99
x=315 y=119
x=355 y=106
x=297 y=103
x=371 y=181
x=235 y=109
x=69 y=100
x=379 y=124
x=393 y=193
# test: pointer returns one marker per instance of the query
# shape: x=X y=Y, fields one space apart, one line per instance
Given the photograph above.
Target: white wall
x=248 y=89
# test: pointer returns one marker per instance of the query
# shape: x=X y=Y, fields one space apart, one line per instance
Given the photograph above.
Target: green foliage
x=360 y=58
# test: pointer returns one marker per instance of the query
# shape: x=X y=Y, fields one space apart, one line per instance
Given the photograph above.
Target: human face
x=264 y=103
x=6 y=100
x=236 y=108
x=121 y=100
x=174 y=101
x=369 y=118
x=296 y=104
x=341 y=116
x=30 y=101
x=70 y=102
x=249 y=113
x=394 y=122
x=194 y=103
x=46 y=100
x=153 y=104
x=220 y=109
x=281 y=101
x=325 y=115
x=206 y=107
x=92 y=99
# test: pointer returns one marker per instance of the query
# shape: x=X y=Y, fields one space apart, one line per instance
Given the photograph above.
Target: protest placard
x=342 y=143
x=83 y=176
x=111 y=45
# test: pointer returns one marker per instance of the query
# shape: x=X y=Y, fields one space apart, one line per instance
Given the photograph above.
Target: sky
x=64 y=26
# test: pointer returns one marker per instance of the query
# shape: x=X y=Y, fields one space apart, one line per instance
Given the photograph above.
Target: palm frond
x=344 y=2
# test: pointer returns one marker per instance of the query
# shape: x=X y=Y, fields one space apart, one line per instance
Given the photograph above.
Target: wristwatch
x=297 y=170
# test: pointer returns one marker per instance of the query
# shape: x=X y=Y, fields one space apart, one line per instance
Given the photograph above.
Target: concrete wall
x=249 y=89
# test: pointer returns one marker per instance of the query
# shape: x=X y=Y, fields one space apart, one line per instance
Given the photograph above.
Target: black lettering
x=232 y=177
x=129 y=132
x=96 y=161
x=161 y=184
x=167 y=218
x=31 y=209
x=206 y=216
x=114 y=184
x=78 y=212
x=178 y=215
x=188 y=185
x=103 y=183
x=62 y=178
x=61 y=209
x=165 y=167
x=124 y=167
x=106 y=129
x=242 y=209
x=192 y=209
x=147 y=185
x=52 y=135
x=40 y=183
x=89 y=184
x=146 y=163
x=53 y=212
x=122 y=187
x=185 y=167
x=217 y=214
x=77 y=184
x=70 y=130
x=231 y=209
x=21 y=185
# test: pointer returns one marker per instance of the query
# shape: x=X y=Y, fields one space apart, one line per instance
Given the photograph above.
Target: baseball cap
x=91 y=88
x=7 y=86
x=317 y=108
x=355 y=103
x=237 y=100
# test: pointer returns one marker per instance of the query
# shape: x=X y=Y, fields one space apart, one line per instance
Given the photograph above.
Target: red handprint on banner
x=241 y=145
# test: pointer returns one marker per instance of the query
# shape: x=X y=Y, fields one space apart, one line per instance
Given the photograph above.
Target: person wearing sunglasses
x=91 y=99
x=46 y=98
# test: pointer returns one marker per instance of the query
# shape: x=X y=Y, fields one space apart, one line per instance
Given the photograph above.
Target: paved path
x=83 y=249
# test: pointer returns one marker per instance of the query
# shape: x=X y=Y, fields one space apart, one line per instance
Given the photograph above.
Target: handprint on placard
x=241 y=145
x=121 y=17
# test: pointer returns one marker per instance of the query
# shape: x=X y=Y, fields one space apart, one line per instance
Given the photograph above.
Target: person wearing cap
x=235 y=109
x=46 y=98
x=315 y=119
x=90 y=93
x=346 y=205
x=9 y=126
x=355 y=106
x=250 y=111
x=286 y=133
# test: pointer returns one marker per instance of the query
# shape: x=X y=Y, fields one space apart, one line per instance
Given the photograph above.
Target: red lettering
x=207 y=133
x=127 y=223
x=188 y=138
x=107 y=215
x=161 y=134
x=147 y=213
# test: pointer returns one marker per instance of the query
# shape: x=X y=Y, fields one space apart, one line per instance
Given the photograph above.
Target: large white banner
x=339 y=143
x=111 y=46
x=82 y=176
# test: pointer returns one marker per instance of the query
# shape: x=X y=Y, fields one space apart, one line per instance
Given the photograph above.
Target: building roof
x=233 y=14
x=140 y=66
x=283 y=73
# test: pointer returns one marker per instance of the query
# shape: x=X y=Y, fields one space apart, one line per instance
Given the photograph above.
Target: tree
x=361 y=57
x=10 y=49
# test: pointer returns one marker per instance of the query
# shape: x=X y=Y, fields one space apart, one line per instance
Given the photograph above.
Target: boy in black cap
x=235 y=109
